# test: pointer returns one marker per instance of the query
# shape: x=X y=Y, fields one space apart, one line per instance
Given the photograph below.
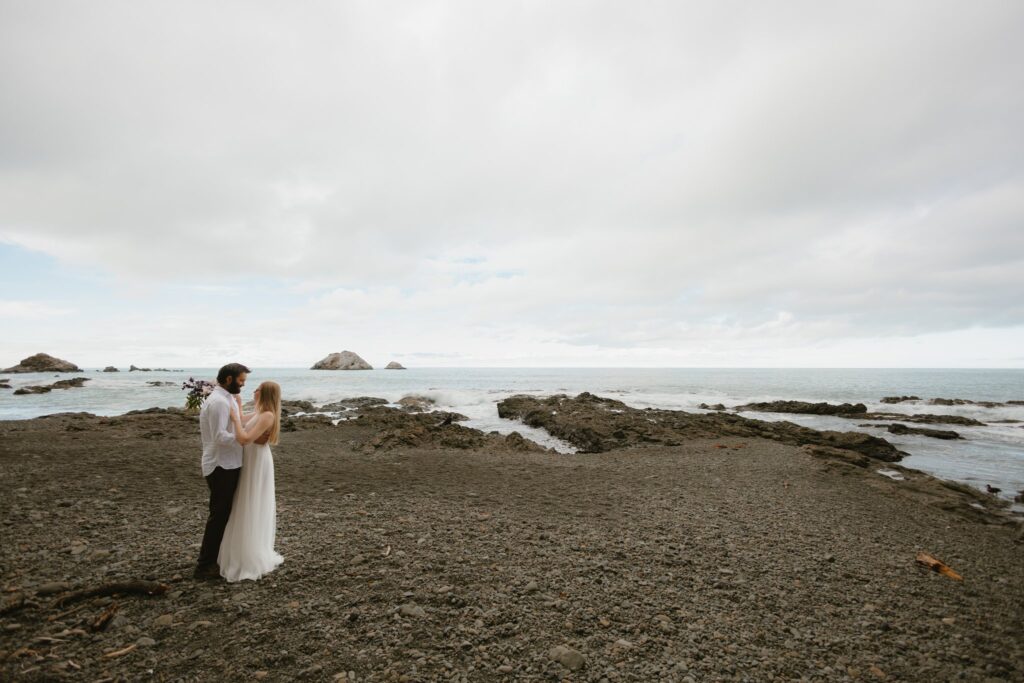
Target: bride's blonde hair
x=270 y=400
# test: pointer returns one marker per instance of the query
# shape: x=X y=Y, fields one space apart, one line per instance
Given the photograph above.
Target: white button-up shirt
x=220 y=449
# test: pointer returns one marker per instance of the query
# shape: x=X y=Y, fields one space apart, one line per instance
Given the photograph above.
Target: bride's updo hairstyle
x=270 y=400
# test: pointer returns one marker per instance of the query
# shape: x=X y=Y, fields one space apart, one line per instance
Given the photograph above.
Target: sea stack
x=394 y=365
x=43 y=362
x=346 y=360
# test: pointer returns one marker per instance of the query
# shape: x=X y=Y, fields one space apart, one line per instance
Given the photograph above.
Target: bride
x=247 y=551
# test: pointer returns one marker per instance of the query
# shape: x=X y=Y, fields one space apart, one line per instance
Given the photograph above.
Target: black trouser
x=222 y=485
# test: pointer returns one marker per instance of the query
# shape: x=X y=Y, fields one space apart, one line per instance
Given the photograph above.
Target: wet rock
x=290 y=407
x=356 y=403
x=42 y=362
x=416 y=404
x=900 y=399
x=922 y=418
x=346 y=360
x=156 y=383
x=963 y=402
x=594 y=424
x=901 y=429
x=716 y=406
x=804 y=408
x=34 y=389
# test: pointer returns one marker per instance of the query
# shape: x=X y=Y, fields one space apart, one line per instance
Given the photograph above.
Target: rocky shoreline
x=682 y=547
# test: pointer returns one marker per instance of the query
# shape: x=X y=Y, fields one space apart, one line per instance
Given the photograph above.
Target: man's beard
x=233 y=388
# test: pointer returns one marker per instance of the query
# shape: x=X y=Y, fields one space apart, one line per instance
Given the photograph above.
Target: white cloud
x=601 y=179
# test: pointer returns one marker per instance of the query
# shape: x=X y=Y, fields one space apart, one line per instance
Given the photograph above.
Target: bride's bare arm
x=255 y=431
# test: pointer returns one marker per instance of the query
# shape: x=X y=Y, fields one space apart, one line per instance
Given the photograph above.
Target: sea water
x=990 y=455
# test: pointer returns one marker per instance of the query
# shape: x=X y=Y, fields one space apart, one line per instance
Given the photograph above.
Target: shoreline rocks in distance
x=900 y=399
x=110 y=368
x=394 y=365
x=346 y=360
x=43 y=362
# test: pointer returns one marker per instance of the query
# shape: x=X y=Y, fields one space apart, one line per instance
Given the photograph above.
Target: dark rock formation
x=394 y=365
x=416 y=404
x=900 y=399
x=110 y=368
x=594 y=424
x=35 y=389
x=135 y=369
x=290 y=407
x=157 y=383
x=42 y=362
x=392 y=428
x=804 y=408
x=963 y=402
x=346 y=360
x=717 y=406
x=898 y=428
x=73 y=383
x=923 y=418
x=353 y=404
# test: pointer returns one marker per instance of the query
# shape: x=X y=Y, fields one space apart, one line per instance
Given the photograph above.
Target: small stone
x=505 y=669
x=411 y=610
x=876 y=672
x=52 y=588
x=949 y=621
x=10 y=628
x=145 y=642
x=567 y=657
x=622 y=644
x=531 y=587
x=164 y=620
x=260 y=675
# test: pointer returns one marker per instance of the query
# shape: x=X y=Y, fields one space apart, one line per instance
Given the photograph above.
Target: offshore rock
x=394 y=365
x=346 y=360
x=923 y=418
x=42 y=362
x=898 y=428
x=110 y=368
x=356 y=403
x=594 y=425
x=73 y=383
x=804 y=408
x=900 y=399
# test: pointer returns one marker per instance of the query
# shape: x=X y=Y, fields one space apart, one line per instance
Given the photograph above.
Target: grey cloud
x=856 y=167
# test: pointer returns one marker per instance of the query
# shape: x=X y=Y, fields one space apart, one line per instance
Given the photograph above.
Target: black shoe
x=210 y=571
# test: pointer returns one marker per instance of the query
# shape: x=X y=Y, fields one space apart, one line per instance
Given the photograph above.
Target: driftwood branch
x=123 y=588
x=938 y=566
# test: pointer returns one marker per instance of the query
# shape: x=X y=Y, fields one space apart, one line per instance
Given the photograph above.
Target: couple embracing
x=239 y=469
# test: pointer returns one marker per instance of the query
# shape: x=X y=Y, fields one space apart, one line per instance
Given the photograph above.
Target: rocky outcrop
x=110 y=368
x=804 y=408
x=923 y=418
x=963 y=402
x=5 y=384
x=416 y=404
x=346 y=360
x=900 y=399
x=73 y=383
x=155 y=383
x=392 y=429
x=42 y=362
x=135 y=369
x=356 y=403
x=394 y=365
x=716 y=406
x=594 y=424
x=901 y=429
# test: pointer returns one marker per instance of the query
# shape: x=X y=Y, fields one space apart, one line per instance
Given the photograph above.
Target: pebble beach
x=420 y=552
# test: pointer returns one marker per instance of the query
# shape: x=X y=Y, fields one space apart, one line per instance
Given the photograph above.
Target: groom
x=222 y=461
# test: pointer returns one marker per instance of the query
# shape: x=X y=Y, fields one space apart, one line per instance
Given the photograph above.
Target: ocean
x=990 y=455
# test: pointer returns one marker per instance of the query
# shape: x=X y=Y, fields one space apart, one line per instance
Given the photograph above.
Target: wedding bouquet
x=198 y=390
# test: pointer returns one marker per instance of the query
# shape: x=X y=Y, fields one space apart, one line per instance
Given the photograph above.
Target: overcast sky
x=513 y=183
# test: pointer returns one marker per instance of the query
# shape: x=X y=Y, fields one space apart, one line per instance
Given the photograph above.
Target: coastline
x=718 y=557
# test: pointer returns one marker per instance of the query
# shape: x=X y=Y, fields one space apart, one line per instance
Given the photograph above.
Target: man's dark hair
x=231 y=370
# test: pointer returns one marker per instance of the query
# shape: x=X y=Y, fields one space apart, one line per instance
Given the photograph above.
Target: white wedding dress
x=247 y=550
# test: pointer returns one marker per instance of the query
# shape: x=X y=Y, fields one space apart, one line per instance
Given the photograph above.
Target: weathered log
x=937 y=566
